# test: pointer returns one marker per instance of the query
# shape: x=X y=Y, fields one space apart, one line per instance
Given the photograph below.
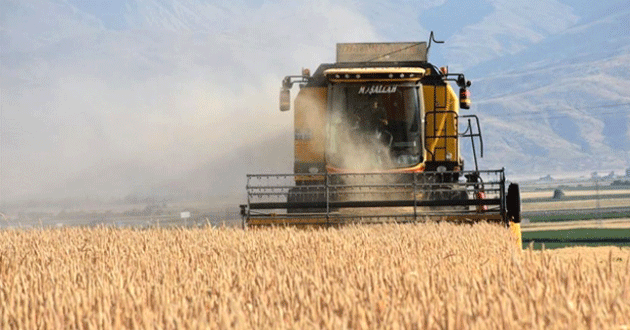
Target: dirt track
x=601 y=224
x=549 y=193
x=576 y=205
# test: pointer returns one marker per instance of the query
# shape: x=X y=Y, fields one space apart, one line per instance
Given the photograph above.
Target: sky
x=107 y=98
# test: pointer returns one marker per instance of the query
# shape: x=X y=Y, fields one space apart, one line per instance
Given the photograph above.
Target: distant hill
x=562 y=104
x=180 y=96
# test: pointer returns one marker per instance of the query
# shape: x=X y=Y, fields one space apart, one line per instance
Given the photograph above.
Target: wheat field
x=425 y=276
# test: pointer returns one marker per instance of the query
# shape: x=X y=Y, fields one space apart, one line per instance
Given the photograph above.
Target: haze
x=179 y=97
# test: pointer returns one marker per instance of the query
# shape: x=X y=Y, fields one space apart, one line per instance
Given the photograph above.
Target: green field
x=576 y=237
x=578 y=216
x=574 y=198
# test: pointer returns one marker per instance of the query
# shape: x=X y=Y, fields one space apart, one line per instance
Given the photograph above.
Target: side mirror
x=464 y=98
x=285 y=99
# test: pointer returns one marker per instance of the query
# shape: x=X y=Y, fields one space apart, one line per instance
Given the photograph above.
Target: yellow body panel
x=310 y=125
x=515 y=230
x=419 y=72
x=441 y=109
x=441 y=132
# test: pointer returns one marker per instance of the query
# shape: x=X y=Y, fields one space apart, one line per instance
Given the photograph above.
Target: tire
x=513 y=203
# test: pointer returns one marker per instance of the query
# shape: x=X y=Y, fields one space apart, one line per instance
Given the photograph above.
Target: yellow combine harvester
x=377 y=139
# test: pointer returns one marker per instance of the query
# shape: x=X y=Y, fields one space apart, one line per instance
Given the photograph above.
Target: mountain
x=562 y=104
x=509 y=27
x=180 y=96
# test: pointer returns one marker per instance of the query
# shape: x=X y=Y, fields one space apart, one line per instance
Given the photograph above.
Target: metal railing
x=337 y=198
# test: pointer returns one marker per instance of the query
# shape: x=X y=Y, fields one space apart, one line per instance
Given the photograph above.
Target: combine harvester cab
x=377 y=139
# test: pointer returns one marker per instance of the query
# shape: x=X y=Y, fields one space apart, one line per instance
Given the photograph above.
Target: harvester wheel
x=513 y=203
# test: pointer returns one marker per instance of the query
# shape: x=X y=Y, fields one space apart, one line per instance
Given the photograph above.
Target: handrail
x=380 y=190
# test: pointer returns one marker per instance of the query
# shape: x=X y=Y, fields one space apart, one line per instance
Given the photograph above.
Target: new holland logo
x=377 y=89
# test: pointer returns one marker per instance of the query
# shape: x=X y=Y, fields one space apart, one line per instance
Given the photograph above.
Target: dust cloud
x=357 y=148
x=156 y=110
x=361 y=145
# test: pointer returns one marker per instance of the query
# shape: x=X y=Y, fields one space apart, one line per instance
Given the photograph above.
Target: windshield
x=373 y=126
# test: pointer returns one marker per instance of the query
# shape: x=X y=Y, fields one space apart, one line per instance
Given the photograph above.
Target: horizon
x=108 y=99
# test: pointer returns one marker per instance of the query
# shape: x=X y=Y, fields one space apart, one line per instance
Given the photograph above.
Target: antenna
x=432 y=38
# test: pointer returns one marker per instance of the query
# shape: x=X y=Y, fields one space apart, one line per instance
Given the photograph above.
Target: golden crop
x=426 y=276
